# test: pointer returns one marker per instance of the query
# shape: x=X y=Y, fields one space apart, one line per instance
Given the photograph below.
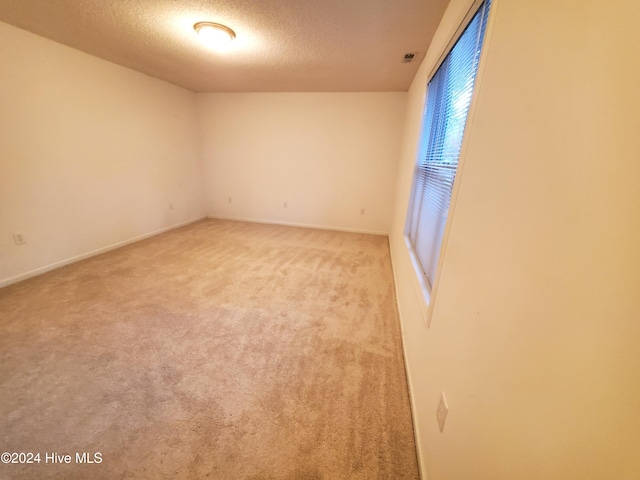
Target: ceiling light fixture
x=214 y=34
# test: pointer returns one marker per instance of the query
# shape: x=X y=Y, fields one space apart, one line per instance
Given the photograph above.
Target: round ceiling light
x=214 y=34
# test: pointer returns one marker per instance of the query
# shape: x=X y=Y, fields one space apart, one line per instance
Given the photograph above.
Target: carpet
x=220 y=350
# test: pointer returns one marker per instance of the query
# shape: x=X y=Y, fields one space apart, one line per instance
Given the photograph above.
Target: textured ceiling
x=281 y=45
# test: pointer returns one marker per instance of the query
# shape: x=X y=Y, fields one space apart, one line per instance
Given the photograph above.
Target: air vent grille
x=409 y=57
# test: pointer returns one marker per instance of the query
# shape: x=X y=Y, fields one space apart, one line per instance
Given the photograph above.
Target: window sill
x=423 y=292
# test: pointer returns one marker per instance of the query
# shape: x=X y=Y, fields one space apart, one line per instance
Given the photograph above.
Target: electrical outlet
x=362 y=211
x=442 y=411
x=18 y=239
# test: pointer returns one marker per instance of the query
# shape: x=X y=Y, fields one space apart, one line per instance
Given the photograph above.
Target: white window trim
x=426 y=296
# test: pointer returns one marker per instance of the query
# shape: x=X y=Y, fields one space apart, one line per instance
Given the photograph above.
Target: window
x=448 y=98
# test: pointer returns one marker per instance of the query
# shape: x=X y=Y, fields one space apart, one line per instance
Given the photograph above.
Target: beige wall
x=535 y=326
x=328 y=155
x=92 y=154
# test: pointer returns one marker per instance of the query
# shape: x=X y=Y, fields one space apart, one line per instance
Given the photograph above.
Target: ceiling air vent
x=408 y=57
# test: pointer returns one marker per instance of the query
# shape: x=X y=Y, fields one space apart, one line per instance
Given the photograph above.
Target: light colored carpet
x=221 y=350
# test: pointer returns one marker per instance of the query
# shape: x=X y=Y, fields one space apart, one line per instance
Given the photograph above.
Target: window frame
x=425 y=290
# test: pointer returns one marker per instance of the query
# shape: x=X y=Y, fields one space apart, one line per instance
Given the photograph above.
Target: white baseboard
x=39 y=271
x=416 y=430
x=303 y=225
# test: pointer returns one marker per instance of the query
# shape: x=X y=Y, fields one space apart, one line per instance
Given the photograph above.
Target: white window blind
x=448 y=98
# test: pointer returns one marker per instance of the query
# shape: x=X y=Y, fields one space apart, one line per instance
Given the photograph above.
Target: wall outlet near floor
x=442 y=411
x=362 y=211
x=19 y=239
